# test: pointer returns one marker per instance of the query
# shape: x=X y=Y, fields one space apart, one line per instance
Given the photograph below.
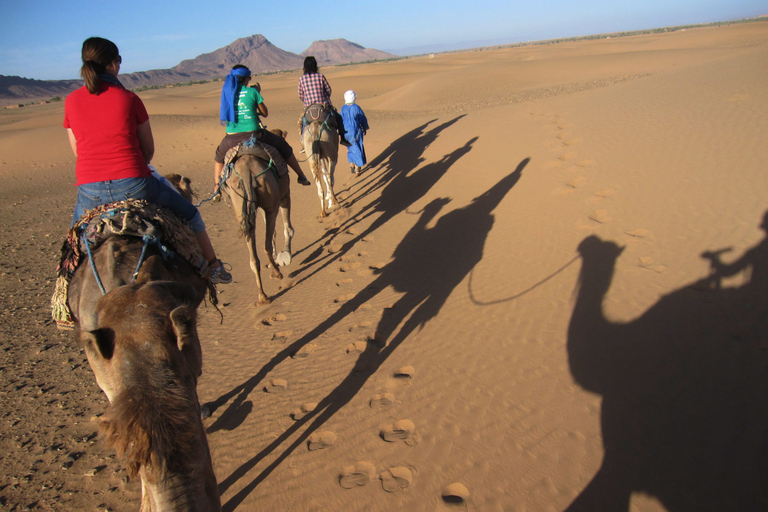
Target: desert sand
x=513 y=297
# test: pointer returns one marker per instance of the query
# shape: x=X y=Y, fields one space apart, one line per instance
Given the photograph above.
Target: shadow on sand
x=424 y=287
x=684 y=411
x=401 y=189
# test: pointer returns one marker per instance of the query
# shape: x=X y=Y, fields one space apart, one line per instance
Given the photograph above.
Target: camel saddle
x=133 y=217
x=318 y=113
x=264 y=152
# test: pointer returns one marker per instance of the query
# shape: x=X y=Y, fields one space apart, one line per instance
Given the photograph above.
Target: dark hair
x=310 y=65
x=98 y=53
x=241 y=79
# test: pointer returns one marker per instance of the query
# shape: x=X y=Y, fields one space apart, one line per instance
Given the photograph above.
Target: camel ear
x=101 y=341
x=182 y=320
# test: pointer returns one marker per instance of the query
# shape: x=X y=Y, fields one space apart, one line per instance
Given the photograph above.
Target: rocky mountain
x=254 y=51
x=341 y=51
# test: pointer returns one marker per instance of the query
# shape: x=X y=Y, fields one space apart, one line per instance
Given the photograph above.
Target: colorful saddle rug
x=134 y=217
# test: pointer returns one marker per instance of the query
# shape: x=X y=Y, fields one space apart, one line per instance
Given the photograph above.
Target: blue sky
x=42 y=39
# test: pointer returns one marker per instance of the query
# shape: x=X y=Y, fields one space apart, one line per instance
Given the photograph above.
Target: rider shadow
x=424 y=285
x=403 y=190
x=429 y=174
x=684 y=412
x=397 y=161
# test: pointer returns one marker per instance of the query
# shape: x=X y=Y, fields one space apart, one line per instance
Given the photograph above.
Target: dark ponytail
x=97 y=54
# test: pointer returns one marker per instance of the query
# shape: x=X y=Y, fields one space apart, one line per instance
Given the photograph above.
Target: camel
x=258 y=183
x=683 y=411
x=142 y=345
x=320 y=139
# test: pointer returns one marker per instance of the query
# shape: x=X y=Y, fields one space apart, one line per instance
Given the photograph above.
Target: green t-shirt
x=247 y=115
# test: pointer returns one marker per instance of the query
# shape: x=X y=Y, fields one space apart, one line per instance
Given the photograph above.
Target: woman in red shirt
x=110 y=135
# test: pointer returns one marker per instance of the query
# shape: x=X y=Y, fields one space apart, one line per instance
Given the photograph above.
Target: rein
x=148 y=240
x=93 y=265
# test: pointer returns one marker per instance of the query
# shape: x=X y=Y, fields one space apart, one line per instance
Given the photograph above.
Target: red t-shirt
x=104 y=126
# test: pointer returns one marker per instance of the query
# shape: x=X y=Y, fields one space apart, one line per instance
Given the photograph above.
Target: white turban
x=350 y=96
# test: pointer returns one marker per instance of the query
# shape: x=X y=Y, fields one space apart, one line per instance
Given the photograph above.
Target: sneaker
x=219 y=275
x=304 y=181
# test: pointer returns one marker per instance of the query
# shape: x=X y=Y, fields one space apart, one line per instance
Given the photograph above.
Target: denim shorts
x=91 y=195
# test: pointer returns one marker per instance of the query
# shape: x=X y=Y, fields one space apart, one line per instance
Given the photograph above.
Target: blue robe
x=354 y=123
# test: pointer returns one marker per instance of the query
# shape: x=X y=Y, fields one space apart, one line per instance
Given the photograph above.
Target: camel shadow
x=395 y=165
x=684 y=412
x=400 y=193
x=424 y=285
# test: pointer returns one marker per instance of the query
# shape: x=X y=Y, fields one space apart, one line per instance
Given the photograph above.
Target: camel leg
x=319 y=181
x=269 y=247
x=256 y=268
x=329 y=201
x=285 y=213
x=330 y=167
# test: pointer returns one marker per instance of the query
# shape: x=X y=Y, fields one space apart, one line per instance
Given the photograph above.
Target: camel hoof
x=263 y=301
x=275 y=274
x=283 y=259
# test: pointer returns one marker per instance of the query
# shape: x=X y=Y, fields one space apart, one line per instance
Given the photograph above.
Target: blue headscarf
x=228 y=92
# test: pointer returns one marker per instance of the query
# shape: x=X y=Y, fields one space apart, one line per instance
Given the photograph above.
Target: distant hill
x=254 y=51
x=14 y=89
x=341 y=51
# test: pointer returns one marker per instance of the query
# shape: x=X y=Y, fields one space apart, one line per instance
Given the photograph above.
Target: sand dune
x=513 y=297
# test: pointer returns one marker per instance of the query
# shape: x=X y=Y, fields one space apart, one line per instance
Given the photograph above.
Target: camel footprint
x=401 y=430
x=276 y=386
x=357 y=475
x=381 y=400
x=321 y=440
x=396 y=478
x=303 y=410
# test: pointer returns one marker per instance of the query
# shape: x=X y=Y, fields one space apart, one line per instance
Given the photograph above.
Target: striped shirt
x=314 y=88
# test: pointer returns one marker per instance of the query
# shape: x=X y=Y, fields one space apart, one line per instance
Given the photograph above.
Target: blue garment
x=91 y=195
x=229 y=94
x=354 y=123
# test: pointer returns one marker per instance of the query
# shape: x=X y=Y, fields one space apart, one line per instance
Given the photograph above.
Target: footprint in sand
x=640 y=233
x=280 y=317
x=281 y=335
x=401 y=377
x=345 y=298
x=577 y=182
x=401 y=430
x=382 y=400
x=357 y=347
x=405 y=373
x=600 y=216
x=347 y=280
x=357 y=475
x=305 y=351
x=366 y=324
x=650 y=264
x=455 y=493
x=335 y=248
x=303 y=410
x=321 y=440
x=276 y=386
x=348 y=267
x=396 y=478
x=567 y=156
